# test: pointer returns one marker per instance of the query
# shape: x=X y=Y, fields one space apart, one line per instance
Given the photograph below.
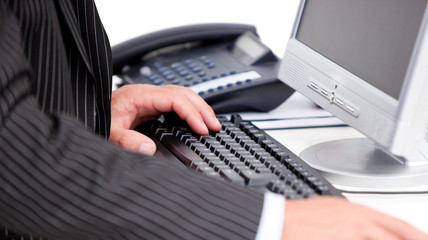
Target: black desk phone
x=226 y=64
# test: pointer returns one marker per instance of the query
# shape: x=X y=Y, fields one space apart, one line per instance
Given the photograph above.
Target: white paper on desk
x=296 y=106
x=296 y=112
x=298 y=123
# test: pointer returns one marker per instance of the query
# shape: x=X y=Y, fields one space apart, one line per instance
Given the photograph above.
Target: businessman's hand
x=331 y=218
x=132 y=105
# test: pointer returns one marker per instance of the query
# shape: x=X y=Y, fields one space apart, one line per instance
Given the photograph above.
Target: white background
x=124 y=19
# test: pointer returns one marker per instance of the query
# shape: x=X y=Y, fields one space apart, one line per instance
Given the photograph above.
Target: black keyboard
x=240 y=153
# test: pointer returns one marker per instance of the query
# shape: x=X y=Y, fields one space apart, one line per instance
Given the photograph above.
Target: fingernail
x=218 y=122
x=204 y=127
x=147 y=149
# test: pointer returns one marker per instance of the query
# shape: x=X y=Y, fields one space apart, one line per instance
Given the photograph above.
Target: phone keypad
x=186 y=73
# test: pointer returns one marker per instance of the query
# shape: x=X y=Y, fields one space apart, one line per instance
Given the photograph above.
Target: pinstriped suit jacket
x=58 y=179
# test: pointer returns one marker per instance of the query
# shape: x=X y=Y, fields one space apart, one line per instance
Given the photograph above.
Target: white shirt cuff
x=272 y=219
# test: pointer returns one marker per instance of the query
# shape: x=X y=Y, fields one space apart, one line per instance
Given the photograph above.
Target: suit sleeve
x=59 y=181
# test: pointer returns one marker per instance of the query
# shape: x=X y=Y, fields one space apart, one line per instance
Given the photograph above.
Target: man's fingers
x=142 y=102
x=210 y=119
x=375 y=232
x=133 y=141
x=397 y=226
x=342 y=220
x=196 y=112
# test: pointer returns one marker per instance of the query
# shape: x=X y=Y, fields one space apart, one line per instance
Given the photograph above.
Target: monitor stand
x=358 y=165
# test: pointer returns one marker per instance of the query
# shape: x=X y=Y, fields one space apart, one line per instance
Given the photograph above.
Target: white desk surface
x=274 y=19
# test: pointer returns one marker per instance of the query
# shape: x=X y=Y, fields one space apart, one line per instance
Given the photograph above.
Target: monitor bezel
x=402 y=123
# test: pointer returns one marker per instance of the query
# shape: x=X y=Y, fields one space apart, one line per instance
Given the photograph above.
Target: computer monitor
x=365 y=61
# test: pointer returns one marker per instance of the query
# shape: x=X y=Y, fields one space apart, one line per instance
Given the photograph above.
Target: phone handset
x=226 y=64
x=131 y=51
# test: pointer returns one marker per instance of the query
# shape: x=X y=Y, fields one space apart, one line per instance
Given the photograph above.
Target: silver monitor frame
x=398 y=127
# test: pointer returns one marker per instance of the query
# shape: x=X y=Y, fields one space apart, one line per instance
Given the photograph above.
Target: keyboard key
x=254 y=179
x=236 y=164
x=263 y=170
x=198 y=164
x=231 y=160
x=232 y=176
x=212 y=174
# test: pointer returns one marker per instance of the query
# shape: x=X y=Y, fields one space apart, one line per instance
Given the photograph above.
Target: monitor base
x=357 y=165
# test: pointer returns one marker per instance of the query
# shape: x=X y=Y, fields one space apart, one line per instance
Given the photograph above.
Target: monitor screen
x=365 y=62
x=372 y=39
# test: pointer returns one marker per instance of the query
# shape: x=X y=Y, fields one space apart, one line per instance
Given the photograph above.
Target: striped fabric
x=59 y=180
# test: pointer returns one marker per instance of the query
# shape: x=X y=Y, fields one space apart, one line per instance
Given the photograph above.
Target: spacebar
x=180 y=149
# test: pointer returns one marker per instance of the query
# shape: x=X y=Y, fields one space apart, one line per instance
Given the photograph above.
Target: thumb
x=133 y=141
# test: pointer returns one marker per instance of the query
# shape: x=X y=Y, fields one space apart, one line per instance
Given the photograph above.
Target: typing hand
x=331 y=218
x=132 y=105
